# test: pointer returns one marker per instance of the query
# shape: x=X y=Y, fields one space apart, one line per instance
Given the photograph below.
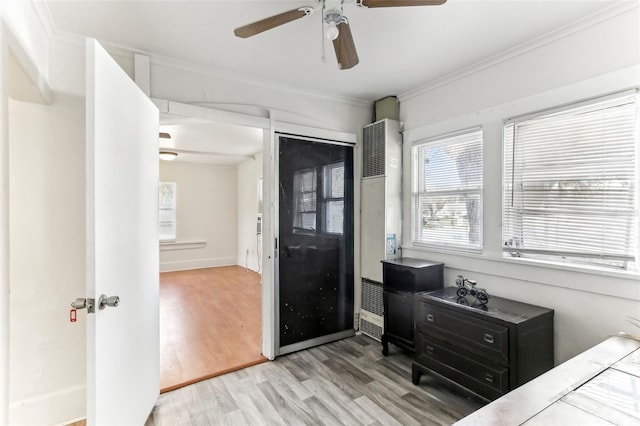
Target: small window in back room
x=167 y=211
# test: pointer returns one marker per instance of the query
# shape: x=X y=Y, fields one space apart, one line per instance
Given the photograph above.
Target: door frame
x=310 y=134
x=270 y=126
x=177 y=109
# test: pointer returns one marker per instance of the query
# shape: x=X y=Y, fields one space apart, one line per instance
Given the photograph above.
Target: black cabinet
x=488 y=349
x=401 y=279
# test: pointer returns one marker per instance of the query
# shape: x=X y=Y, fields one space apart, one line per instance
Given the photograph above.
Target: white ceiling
x=400 y=49
x=199 y=141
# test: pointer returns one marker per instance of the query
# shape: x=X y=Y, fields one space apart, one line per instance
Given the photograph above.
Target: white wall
x=601 y=58
x=45 y=170
x=4 y=224
x=28 y=40
x=47 y=257
x=249 y=242
x=207 y=211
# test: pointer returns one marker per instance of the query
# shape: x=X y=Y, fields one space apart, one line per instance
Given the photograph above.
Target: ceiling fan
x=337 y=24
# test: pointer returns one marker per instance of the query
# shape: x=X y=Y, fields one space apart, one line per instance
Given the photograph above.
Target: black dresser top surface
x=411 y=262
x=499 y=308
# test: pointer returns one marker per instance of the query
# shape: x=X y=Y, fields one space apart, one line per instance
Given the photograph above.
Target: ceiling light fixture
x=168 y=155
x=332 y=31
x=333 y=17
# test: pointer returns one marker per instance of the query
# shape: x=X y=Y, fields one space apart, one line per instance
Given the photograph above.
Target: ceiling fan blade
x=345 y=48
x=269 y=23
x=398 y=3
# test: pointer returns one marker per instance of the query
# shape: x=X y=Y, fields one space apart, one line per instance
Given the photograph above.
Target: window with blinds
x=167 y=211
x=304 y=200
x=571 y=183
x=334 y=198
x=447 y=193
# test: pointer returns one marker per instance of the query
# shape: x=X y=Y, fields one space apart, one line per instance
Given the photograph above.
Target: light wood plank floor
x=347 y=382
x=210 y=324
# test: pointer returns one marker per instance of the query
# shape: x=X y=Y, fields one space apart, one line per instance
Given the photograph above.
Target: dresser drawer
x=484 y=378
x=477 y=336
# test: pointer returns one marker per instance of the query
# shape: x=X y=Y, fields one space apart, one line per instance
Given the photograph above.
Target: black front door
x=315 y=242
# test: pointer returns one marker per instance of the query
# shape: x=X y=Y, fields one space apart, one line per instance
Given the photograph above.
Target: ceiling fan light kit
x=332 y=31
x=333 y=17
x=168 y=155
x=337 y=24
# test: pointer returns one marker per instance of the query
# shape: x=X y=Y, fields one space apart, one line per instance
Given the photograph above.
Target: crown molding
x=233 y=76
x=595 y=18
x=44 y=14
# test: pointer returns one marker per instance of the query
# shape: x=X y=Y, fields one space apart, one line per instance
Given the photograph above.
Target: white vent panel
x=371 y=297
x=370 y=329
x=373 y=149
x=371 y=309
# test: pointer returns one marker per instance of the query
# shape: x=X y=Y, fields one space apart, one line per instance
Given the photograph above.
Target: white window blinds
x=571 y=183
x=304 y=200
x=334 y=198
x=448 y=191
x=167 y=210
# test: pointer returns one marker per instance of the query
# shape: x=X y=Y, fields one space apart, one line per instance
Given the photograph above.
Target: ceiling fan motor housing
x=333 y=11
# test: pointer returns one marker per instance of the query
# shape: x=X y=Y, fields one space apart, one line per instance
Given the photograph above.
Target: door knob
x=81 y=303
x=105 y=301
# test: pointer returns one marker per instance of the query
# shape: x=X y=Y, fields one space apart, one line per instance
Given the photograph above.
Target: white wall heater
x=380 y=217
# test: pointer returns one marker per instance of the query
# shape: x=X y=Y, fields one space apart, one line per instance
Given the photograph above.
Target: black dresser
x=489 y=350
x=401 y=279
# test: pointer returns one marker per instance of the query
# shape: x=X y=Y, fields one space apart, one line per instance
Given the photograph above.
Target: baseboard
x=56 y=408
x=185 y=265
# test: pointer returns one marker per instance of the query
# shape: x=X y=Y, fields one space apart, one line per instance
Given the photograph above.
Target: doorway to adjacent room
x=210 y=324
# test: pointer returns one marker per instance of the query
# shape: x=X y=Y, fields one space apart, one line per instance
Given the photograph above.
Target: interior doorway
x=210 y=282
x=210 y=324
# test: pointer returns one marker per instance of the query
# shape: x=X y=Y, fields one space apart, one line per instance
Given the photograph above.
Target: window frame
x=298 y=211
x=168 y=238
x=476 y=190
x=327 y=195
x=560 y=257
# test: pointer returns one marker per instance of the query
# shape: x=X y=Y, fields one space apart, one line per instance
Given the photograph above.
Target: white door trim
x=271 y=214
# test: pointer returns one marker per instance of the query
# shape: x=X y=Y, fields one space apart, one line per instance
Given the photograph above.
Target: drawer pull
x=489 y=377
x=430 y=350
x=488 y=338
x=430 y=317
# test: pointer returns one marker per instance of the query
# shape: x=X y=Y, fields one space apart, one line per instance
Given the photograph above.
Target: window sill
x=182 y=245
x=622 y=284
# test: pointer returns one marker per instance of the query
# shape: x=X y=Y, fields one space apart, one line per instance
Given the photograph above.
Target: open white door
x=123 y=378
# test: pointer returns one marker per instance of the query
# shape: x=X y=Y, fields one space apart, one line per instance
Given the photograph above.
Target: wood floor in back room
x=210 y=323
x=347 y=382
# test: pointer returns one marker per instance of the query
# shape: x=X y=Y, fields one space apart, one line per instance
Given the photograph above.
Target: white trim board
x=182 y=245
x=185 y=265
x=50 y=408
x=194 y=111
